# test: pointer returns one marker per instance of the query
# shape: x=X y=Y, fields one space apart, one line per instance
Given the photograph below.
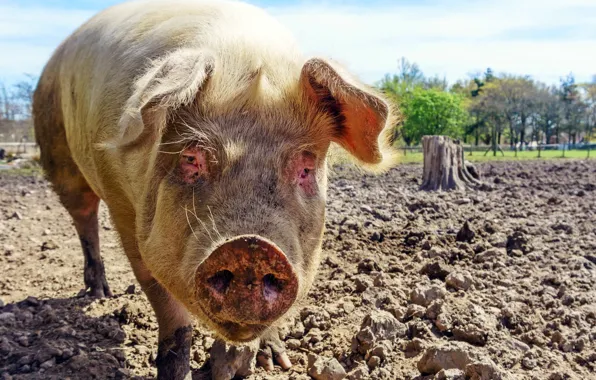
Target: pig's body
x=205 y=132
x=95 y=70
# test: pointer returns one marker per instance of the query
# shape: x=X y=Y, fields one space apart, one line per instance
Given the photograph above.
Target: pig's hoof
x=96 y=284
x=228 y=361
x=272 y=348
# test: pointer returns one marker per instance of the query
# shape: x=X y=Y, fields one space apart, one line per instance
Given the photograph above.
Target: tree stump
x=444 y=166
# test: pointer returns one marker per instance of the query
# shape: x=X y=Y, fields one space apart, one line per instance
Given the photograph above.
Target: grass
x=509 y=156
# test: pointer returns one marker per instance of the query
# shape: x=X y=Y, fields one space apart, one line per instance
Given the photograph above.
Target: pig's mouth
x=242 y=333
x=234 y=331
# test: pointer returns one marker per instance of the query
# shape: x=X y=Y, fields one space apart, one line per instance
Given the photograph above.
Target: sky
x=452 y=39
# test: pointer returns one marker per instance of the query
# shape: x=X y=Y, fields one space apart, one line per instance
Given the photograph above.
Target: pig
x=206 y=133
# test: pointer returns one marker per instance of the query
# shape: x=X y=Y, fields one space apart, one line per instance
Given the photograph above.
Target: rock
x=384 y=325
x=377 y=327
x=366 y=208
x=448 y=356
x=424 y=295
x=5 y=347
x=362 y=283
x=48 y=364
x=562 y=227
x=293 y=344
x=436 y=270
x=368 y=265
x=79 y=362
x=359 y=373
x=415 y=311
x=7 y=317
x=414 y=347
x=518 y=241
x=467 y=322
x=373 y=362
x=16 y=215
x=450 y=374
x=382 y=349
x=489 y=255
x=460 y=280
x=315 y=317
x=124 y=372
x=485 y=370
x=363 y=341
x=32 y=301
x=321 y=368
x=8 y=249
x=49 y=245
x=297 y=330
x=465 y=234
x=131 y=289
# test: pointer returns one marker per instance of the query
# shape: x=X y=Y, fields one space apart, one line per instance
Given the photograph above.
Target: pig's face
x=233 y=216
x=247 y=200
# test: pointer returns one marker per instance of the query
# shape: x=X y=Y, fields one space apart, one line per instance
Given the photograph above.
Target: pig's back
x=98 y=64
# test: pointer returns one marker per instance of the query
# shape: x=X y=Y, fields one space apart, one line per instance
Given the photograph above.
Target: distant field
x=509 y=156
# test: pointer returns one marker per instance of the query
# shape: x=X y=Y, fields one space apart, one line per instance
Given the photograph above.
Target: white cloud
x=544 y=38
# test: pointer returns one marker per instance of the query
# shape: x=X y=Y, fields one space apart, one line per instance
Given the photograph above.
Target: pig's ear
x=169 y=83
x=362 y=118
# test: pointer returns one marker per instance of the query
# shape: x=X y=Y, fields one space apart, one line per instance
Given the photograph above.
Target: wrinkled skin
x=211 y=160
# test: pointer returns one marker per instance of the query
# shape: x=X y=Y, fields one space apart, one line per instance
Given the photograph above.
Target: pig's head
x=233 y=214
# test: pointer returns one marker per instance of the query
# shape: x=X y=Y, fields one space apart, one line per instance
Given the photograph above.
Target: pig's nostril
x=221 y=281
x=272 y=287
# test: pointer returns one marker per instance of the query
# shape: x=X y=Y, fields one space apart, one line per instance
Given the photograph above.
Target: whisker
x=188 y=221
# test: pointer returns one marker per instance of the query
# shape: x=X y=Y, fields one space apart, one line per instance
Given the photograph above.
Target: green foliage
x=432 y=112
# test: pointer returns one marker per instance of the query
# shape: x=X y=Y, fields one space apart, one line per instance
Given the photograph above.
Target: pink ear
x=193 y=164
x=360 y=114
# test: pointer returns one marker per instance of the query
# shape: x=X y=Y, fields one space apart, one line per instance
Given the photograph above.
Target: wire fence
x=27 y=148
x=538 y=150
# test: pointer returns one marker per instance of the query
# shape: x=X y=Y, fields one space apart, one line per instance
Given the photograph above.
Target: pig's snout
x=245 y=284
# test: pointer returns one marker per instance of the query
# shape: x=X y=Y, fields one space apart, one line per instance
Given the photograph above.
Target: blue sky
x=546 y=39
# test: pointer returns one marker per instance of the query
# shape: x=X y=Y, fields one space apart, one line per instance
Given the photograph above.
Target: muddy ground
x=401 y=294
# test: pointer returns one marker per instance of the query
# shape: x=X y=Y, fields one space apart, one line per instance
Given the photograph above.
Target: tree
x=517 y=95
x=23 y=94
x=433 y=112
x=573 y=107
x=590 y=102
x=548 y=112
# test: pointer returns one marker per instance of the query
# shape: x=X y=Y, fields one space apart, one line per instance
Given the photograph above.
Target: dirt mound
x=495 y=284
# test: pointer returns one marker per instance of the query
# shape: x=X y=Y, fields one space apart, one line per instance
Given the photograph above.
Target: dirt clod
x=321 y=368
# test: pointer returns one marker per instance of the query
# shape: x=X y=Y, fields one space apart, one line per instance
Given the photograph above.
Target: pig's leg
x=84 y=214
x=175 y=325
x=82 y=205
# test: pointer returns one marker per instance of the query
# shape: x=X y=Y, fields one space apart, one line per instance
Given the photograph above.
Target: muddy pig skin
x=206 y=134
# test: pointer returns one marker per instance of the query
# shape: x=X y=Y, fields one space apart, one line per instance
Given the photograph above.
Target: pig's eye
x=193 y=165
x=304 y=166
